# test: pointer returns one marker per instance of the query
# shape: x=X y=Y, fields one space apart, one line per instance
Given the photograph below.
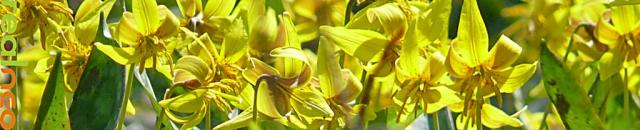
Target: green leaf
x=52 y=113
x=97 y=100
x=573 y=105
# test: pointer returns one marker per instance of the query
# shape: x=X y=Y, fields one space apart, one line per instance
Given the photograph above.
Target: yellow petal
x=146 y=15
x=189 y=8
x=234 y=45
x=186 y=103
x=410 y=60
x=606 y=33
x=126 y=30
x=218 y=8
x=288 y=34
x=390 y=17
x=242 y=120
x=611 y=62
x=510 y=80
x=331 y=81
x=190 y=68
x=131 y=110
x=309 y=102
x=307 y=31
x=438 y=98
x=170 y=23
x=363 y=44
x=123 y=56
x=352 y=90
x=462 y=121
x=87 y=21
x=472 y=35
x=256 y=69
x=295 y=68
x=493 y=117
x=625 y=17
x=457 y=65
x=271 y=100
x=503 y=53
x=435 y=67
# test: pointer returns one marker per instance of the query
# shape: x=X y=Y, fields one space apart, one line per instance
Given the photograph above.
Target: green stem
x=436 y=123
x=566 y=54
x=347 y=13
x=162 y=114
x=127 y=94
x=208 y=117
x=543 y=124
x=626 y=95
x=478 y=108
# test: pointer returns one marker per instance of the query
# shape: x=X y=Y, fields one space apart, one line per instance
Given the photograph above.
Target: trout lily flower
x=339 y=87
x=480 y=74
x=422 y=79
x=145 y=36
x=75 y=48
x=37 y=14
x=621 y=38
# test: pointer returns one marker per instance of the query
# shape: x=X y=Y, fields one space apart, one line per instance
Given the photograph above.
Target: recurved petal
x=296 y=67
x=185 y=103
x=127 y=30
x=503 y=53
x=625 y=17
x=606 y=33
x=493 y=117
x=189 y=68
x=472 y=34
x=170 y=24
x=390 y=17
x=363 y=44
x=309 y=102
x=611 y=62
x=123 y=56
x=435 y=67
x=353 y=87
x=258 y=68
x=438 y=98
x=511 y=79
x=456 y=65
x=271 y=100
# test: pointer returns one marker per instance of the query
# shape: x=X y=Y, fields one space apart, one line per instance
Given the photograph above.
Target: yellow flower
x=491 y=117
x=480 y=74
x=619 y=37
x=422 y=79
x=38 y=14
x=145 y=36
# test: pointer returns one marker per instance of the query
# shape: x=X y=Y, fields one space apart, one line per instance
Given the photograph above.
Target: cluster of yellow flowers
x=325 y=64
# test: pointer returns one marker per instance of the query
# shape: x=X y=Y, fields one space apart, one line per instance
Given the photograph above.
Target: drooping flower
x=145 y=36
x=480 y=74
x=620 y=37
